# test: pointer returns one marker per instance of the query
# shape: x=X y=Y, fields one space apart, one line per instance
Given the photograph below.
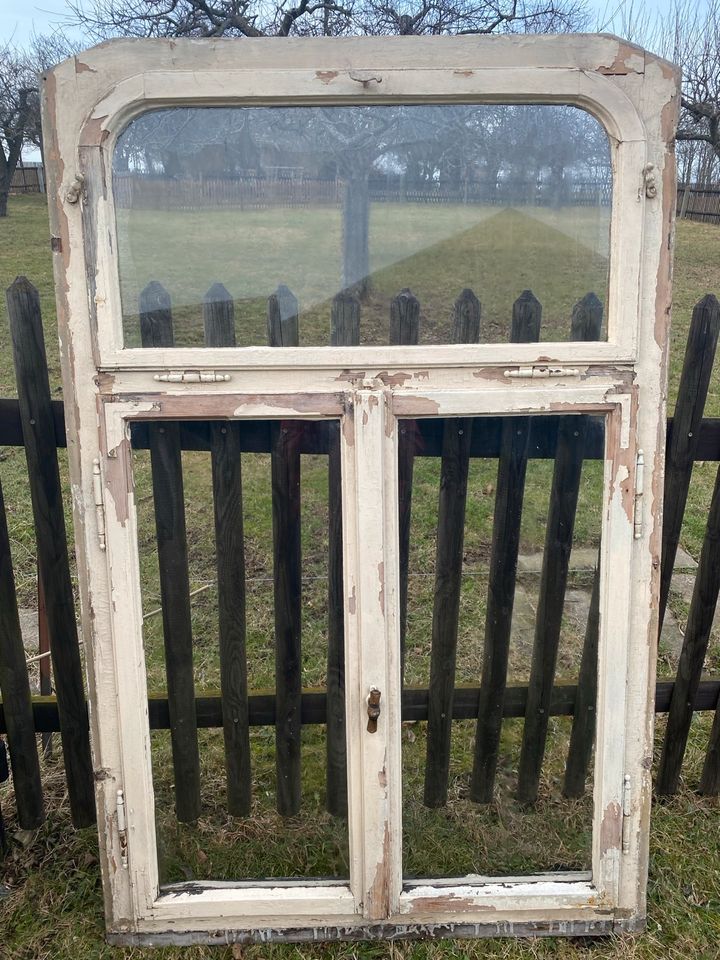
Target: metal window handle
x=373 y=709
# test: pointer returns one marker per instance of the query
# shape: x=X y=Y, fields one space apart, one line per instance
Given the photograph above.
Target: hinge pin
x=122 y=827
x=192 y=376
x=627 y=799
x=99 y=503
x=541 y=373
x=639 y=485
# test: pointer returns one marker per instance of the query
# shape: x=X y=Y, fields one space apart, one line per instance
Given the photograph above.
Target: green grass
x=56 y=907
x=434 y=250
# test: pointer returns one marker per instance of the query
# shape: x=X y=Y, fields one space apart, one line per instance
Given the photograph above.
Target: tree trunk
x=356 y=234
x=4 y=191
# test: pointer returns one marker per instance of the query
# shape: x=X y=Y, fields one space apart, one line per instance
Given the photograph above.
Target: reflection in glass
x=368 y=200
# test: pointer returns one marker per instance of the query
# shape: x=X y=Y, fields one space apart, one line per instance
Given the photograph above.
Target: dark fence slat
x=405 y=331
x=261 y=705
x=48 y=510
x=586 y=325
x=682 y=449
x=156 y=328
x=285 y=469
x=195 y=435
x=219 y=322
x=510 y=487
x=710 y=778
x=582 y=735
x=692 y=656
x=344 y=332
x=15 y=690
x=454 y=465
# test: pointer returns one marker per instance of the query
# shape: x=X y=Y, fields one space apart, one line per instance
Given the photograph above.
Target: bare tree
x=689 y=35
x=253 y=18
x=18 y=113
x=694 y=33
x=20 y=102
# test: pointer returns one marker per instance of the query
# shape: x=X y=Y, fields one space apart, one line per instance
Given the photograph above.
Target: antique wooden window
x=235 y=225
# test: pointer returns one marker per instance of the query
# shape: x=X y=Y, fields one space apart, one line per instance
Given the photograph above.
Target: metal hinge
x=626 y=805
x=639 y=484
x=122 y=827
x=192 y=376
x=542 y=373
x=99 y=503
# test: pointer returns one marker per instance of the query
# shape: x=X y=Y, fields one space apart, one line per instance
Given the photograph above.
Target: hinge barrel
x=639 y=485
x=99 y=503
x=122 y=827
x=541 y=372
x=626 y=810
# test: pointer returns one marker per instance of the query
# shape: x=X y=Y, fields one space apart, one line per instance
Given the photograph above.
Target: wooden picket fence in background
x=36 y=422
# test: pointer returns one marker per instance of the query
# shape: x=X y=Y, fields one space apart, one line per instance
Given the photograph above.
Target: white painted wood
x=373 y=646
x=109 y=89
x=86 y=102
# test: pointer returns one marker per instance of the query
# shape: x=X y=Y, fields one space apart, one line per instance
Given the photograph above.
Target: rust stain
x=93 y=134
x=379 y=893
x=105 y=382
x=416 y=407
x=326 y=76
x=348 y=425
x=622 y=64
x=398 y=379
x=117 y=480
x=351 y=376
x=458 y=904
x=610 y=828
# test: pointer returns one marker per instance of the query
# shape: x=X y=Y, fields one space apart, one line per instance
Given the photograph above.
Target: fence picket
x=156 y=326
x=510 y=487
x=344 y=332
x=586 y=325
x=219 y=322
x=457 y=434
x=692 y=656
x=285 y=469
x=682 y=448
x=31 y=371
x=405 y=331
x=15 y=690
x=582 y=734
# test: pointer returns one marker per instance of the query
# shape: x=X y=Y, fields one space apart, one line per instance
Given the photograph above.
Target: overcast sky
x=18 y=18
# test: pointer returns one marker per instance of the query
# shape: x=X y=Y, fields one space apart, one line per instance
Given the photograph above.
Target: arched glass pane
x=364 y=201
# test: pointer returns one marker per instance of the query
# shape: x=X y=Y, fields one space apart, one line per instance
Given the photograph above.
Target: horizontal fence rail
x=37 y=423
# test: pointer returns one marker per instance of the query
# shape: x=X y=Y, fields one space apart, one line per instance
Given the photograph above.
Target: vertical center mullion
x=372 y=652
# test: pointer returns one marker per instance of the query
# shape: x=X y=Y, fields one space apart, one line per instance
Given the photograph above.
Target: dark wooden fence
x=36 y=422
x=699 y=203
x=260 y=192
x=28 y=179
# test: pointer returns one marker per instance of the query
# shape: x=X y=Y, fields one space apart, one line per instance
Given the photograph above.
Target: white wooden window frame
x=87 y=101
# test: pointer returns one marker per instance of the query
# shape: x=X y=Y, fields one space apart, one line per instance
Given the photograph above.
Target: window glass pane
x=500 y=642
x=365 y=201
x=238 y=526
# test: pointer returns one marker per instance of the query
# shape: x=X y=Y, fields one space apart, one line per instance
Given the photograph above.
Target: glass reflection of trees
x=455 y=153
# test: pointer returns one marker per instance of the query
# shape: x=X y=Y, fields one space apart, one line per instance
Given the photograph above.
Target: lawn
x=55 y=909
